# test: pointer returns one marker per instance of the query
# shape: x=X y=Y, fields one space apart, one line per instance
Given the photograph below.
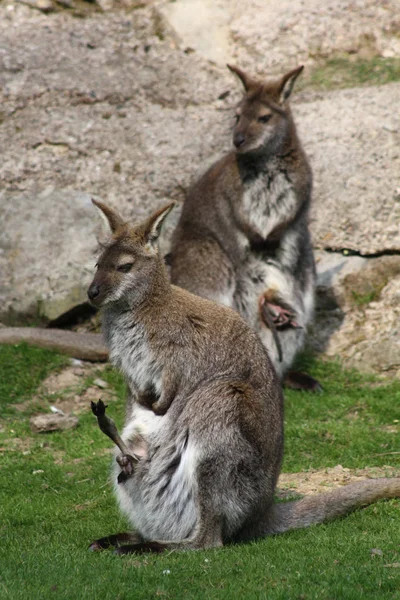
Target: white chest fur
x=130 y=352
x=268 y=201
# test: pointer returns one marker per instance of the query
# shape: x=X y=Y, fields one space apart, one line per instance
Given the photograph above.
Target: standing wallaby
x=202 y=444
x=243 y=238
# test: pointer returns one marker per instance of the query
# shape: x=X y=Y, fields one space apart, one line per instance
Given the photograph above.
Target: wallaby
x=243 y=238
x=203 y=437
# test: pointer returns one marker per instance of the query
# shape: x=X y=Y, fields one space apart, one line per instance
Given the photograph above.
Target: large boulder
x=48 y=245
x=129 y=108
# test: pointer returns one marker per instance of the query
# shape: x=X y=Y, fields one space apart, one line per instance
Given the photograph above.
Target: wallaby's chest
x=131 y=353
x=268 y=199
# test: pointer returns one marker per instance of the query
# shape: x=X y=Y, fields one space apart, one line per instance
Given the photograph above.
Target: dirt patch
x=316 y=481
x=68 y=390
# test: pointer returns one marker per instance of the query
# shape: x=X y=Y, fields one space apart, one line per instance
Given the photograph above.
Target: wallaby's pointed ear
x=152 y=227
x=287 y=83
x=114 y=220
x=247 y=81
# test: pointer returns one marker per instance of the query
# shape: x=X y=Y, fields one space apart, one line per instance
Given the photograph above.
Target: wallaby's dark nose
x=93 y=291
x=238 y=139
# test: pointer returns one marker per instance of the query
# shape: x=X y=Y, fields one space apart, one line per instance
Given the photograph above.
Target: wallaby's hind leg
x=207 y=532
x=116 y=540
x=209 y=536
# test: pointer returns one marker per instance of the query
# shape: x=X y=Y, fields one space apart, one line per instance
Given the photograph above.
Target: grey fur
x=208 y=461
x=244 y=231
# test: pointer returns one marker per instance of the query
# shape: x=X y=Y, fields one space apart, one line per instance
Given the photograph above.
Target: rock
x=208 y=32
x=48 y=249
x=266 y=36
x=85 y=346
x=358 y=317
x=356 y=163
x=46 y=6
x=131 y=109
x=100 y=383
x=52 y=422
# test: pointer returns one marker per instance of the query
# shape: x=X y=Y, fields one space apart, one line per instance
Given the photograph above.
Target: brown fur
x=243 y=231
x=209 y=465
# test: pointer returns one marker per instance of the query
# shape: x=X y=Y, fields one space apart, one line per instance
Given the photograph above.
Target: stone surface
x=267 y=35
x=352 y=137
x=52 y=422
x=48 y=247
x=358 y=312
x=130 y=109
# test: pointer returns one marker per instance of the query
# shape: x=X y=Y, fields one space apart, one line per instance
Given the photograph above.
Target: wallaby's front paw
x=127 y=464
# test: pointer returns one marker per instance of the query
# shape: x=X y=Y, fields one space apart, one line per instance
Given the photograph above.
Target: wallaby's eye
x=264 y=118
x=237 y=119
x=125 y=268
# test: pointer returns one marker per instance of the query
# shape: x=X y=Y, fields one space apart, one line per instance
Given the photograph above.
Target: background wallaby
x=202 y=443
x=243 y=238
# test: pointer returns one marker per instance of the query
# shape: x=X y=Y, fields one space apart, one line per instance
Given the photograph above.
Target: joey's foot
x=281 y=317
x=300 y=381
x=127 y=464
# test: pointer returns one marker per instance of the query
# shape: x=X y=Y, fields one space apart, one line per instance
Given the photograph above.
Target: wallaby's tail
x=323 y=507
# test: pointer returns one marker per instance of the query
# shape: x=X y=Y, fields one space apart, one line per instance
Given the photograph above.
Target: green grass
x=55 y=498
x=342 y=72
x=22 y=368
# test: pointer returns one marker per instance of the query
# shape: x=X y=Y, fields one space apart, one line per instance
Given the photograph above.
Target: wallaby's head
x=263 y=116
x=129 y=266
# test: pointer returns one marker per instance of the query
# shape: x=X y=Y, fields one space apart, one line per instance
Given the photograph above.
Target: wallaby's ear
x=287 y=83
x=247 y=81
x=114 y=220
x=152 y=227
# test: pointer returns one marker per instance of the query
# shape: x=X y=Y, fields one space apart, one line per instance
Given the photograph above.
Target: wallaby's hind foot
x=198 y=543
x=141 y=548
x=300 y=381
x=279 y=314
x=116 y=540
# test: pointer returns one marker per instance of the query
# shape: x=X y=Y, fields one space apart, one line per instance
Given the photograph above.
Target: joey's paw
x=98 y=408
x=127 y=464
x=159 y=409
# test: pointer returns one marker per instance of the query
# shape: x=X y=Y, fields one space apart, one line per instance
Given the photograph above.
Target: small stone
x=101 y=383
x=52 y=422
x=66 y=3
x=376 y=552
x=56 y=410
x=45 y=6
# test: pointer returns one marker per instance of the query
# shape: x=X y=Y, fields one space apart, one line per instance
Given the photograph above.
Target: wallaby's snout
x=238 y=139
x=93 y=291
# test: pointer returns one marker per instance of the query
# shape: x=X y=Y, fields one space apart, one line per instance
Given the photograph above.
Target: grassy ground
x=55 y=499
x=343 y=72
